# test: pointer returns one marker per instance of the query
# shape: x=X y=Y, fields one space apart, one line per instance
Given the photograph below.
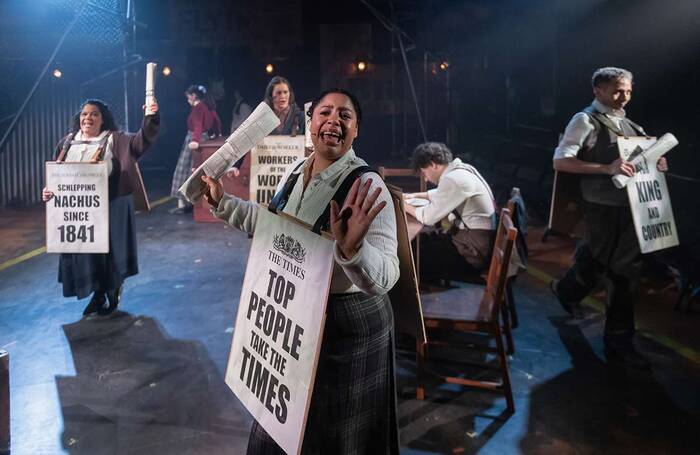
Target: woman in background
x=280 y=97
x=202 y=123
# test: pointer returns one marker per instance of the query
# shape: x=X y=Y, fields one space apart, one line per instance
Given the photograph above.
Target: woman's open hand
x=350 y=225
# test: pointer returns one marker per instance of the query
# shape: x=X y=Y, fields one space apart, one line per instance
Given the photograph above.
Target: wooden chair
x=479 y=312
x=518 y=262
x=509 y=314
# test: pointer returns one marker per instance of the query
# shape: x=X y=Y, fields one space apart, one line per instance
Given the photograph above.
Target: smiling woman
x=335 y=122
x=95 y=135
x=357 y=356
x=91 y=121
x=203 y=123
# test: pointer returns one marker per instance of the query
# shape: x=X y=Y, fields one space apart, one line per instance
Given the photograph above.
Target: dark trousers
x=609 y=251
x=441 y=259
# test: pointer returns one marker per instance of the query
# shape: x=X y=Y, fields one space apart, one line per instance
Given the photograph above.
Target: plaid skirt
x=82 y=274
x=183 y=169
x=353 y=407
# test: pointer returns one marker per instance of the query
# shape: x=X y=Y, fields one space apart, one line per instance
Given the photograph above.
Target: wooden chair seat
x=474 y=304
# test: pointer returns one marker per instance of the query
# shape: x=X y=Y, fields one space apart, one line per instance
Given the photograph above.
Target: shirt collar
x=337 y=167
x=603 y=109
x=454 y=164
x=79 y=136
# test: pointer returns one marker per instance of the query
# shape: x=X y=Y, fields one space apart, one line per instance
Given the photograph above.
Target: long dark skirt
x=183 y=168
x=353 y=408
x=82 y=274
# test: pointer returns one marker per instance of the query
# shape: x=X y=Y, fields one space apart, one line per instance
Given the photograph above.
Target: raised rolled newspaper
x=261 y=122
x=652 y=155
x=308 y=144
x=151 y=68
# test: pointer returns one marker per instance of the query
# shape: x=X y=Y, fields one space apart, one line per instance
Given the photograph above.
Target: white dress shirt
x=375 y=268
x=460 y=184
x=580 y=132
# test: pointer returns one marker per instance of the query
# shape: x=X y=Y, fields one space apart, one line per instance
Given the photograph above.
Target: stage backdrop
x=279 y=327
x=77 y=217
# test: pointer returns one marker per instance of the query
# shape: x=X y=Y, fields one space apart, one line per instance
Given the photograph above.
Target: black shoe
x=565 y=305
x=113 y=295
x=96 y=302
x=623 y=352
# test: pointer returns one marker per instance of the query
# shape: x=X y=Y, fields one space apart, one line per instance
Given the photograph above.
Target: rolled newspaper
x=308 y=144
x=150 y=83
x=652 y=155
x=259 y=124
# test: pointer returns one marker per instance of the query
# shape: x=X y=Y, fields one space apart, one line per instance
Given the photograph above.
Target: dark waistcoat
x=599 y=188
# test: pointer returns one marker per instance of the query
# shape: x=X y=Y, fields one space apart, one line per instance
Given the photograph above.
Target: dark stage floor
x=150 y=379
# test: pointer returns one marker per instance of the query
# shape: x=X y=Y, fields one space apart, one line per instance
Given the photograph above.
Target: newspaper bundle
x=251 y=132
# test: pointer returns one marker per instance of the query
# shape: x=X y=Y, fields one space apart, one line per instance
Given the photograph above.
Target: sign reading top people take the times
x=279 y=326
x=649 y=198
x=268 y=163
x=77 y=217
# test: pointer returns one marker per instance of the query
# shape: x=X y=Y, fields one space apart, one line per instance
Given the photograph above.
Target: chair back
x=500 y=259
x=518 y=215
x=518 y=210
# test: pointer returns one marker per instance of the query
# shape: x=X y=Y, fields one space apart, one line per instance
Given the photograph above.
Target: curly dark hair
x=202 y=94
x=430 y=152
x=108 y=122
x=342 y=91
x=271 y=86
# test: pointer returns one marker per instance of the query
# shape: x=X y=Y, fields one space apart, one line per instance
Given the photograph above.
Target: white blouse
x=84 y=152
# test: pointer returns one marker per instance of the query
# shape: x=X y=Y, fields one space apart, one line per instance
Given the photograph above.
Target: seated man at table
x=461 y=247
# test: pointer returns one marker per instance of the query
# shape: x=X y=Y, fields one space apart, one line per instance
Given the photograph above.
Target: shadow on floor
x=452 y=419
x=138 y=391
x=598 y=408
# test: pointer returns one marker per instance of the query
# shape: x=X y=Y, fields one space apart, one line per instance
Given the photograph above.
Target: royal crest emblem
x=290 y=247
